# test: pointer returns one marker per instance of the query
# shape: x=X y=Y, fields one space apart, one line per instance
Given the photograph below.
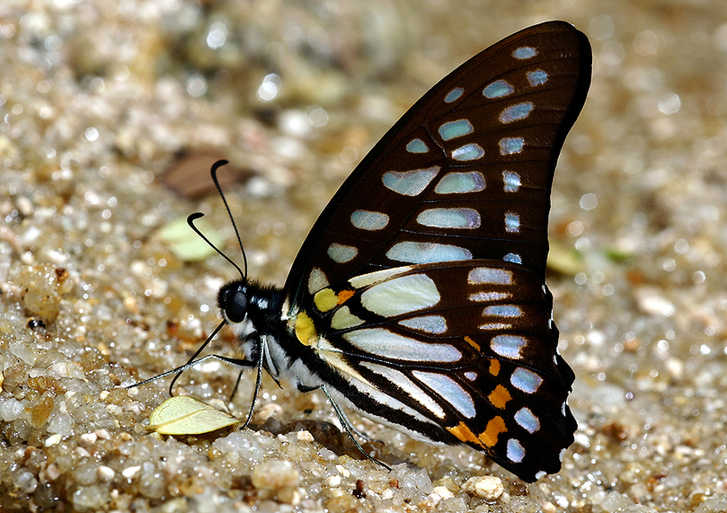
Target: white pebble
x=304 y=436
x=89 y=438
x=439 y=493
x=652 y=302
x=52 y=440
x=487 y=487
x=130 y=472
x=105 y=473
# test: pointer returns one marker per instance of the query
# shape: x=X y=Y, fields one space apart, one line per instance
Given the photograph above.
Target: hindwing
x=467 y=345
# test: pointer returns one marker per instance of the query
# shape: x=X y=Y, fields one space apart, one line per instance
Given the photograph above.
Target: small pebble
x=105 y=473
x=304 y=436
x=89 y=438
x=275 y=474
x=487 y=487
x=53 y=440
x=130 y=472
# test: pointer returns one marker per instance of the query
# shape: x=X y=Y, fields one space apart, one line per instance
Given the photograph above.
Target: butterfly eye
x=232 y=300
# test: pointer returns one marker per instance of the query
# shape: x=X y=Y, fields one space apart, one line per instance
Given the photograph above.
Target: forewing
x=466 y=172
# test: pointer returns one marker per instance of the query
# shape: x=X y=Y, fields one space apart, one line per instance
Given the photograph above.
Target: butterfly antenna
x=213 y=172
x=191 y=218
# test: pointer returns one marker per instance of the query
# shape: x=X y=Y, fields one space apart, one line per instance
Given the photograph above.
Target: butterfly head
x=233 y=301
x=238 y=307
x=248 y=307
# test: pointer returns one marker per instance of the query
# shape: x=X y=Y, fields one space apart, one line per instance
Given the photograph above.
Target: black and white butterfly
x=419 y=297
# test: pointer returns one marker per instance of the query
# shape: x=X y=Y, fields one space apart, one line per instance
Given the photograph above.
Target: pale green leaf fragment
x=184 y=415
x=564 y=260
x=187 y=245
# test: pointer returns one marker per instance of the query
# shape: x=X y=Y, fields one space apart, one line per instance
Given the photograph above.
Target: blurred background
x=110 y=116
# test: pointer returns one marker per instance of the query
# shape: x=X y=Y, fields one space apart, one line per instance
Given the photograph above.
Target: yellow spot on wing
x=494 y=427
x=305 y=330
x=494 y=367
x=325 y=300
x=463 y=433
x=499 y=397
x=472 y=343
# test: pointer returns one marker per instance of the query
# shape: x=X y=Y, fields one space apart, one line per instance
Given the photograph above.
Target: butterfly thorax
x=255 y=314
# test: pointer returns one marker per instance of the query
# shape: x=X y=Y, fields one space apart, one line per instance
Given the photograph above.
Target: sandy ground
x=99 y=101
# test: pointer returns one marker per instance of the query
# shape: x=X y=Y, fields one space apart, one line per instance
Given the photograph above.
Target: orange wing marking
x=499 y=397
x=494 y=427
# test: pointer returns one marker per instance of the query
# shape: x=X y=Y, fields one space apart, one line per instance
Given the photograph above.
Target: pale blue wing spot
x=525 y=380
x=510 y=145
x=464 y=218
x=512 y=222
x=488 y=296
x=511 y=181
x=470 y=375
x=449 y=390
x=537 y=77
x=427 y=252
x=472 y=151
x=417 y=146
x=499 y=326
x=369 y=220
x=508 y=346
x=513 y=257
x=524 y=52
x=516 y=112
x=453 y=95
x=453 y=129
x=515 y=451
x=504 y=311
x=461 y=183
x=386 y=344
x=480 y=275
x=498 y=89
x=409 y=183
x=427 y=323
x=527 y=420
x=341 y=253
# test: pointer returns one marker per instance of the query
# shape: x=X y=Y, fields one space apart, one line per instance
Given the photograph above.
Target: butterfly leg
x=259 y=352
x=348 y=426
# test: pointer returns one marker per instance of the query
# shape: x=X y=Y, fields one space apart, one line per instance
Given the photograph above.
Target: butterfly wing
x=453 y=198
x=454 y=352
x=466 y=172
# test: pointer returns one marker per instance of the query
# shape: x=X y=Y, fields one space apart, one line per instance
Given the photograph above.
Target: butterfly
x=418 y=298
